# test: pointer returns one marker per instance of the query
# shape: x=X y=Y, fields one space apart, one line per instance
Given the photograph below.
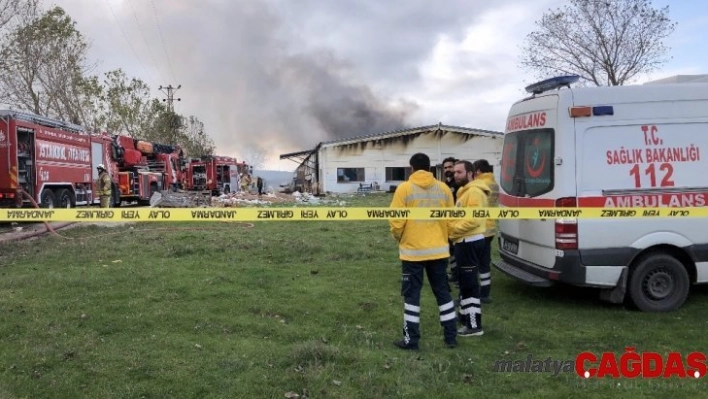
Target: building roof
x=302 y=155
x=405 y=132
x=297 y=154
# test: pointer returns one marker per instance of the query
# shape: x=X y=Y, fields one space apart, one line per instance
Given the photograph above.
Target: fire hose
x=52 y=230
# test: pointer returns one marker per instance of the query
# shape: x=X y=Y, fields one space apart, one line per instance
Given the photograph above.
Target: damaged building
x=380 y=161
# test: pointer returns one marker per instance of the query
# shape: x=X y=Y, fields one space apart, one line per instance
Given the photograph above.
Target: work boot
x=403 y=345
x=469 y=332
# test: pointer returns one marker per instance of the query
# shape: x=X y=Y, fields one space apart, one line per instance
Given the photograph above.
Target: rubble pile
x=269 y=199
x=183 y=199
x=246 y=199
x=179 y=199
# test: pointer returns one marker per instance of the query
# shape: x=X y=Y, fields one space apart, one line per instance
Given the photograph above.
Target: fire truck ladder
x=136 y=184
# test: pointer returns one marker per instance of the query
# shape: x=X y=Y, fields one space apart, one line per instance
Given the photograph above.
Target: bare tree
x=43 y=69
x=13 y=10
x=21 y=61
x=44 y=65
x=255 y=156
x=606 y=42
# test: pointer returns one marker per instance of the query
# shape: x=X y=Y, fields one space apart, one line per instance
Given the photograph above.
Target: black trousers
x=411 y=286
x=485 y=268
x=469 y=258
x=453 y=263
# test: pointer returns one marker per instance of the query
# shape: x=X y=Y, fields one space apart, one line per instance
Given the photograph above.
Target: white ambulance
x=624 y=146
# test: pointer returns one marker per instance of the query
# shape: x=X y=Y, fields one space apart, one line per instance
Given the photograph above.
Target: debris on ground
x=180 y=199
x=271 y=198
x=186 y=199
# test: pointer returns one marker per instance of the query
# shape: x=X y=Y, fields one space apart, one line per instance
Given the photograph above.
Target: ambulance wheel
x=47 y=199
x=658 y=282
x=66 y=199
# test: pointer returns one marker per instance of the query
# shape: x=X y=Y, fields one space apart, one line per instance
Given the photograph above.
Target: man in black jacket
x=259 y=185
x=449 y=171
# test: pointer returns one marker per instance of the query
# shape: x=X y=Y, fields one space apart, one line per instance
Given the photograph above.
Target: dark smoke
x=280 y=74
x=341 y=108
x=254 y=82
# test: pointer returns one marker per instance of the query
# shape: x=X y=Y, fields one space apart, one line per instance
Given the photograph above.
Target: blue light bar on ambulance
x=552 y=84
x=603 y=110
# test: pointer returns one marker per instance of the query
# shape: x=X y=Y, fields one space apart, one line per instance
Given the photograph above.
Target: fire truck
x=142 y=168
x=216 y=174
x=53 y=161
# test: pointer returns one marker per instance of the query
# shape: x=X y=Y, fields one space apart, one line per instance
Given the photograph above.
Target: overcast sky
x=283 y=73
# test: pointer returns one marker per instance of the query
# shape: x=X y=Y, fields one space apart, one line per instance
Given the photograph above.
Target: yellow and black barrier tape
x=341 y=213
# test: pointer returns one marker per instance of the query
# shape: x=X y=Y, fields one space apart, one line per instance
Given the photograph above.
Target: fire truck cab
x=52 y=161
x=142 y=168
x=216 y=174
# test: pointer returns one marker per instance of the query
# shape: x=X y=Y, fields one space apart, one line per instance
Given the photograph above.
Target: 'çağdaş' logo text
x=645 y=365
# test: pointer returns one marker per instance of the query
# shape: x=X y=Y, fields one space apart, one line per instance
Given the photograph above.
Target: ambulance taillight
x=566 y=228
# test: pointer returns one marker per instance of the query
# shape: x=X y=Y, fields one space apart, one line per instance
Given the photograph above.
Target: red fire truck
x=216 y=174
x=142 y=168
x=53 y=161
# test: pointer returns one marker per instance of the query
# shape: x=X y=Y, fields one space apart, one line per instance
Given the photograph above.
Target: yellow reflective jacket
x=104 y=185
x=420 y=240
x=472 y=195
x=488 y=178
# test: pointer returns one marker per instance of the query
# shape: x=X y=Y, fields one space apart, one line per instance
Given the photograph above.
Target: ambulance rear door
x=538 y=170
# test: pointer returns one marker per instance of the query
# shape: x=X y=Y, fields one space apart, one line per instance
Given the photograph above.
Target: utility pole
x=170 y=93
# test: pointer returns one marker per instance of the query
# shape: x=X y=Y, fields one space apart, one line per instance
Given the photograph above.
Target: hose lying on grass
x=52 y=230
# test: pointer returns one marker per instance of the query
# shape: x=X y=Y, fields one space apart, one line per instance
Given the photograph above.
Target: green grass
x=304 y=307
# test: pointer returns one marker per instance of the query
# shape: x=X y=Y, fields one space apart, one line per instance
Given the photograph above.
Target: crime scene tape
x=278 y=214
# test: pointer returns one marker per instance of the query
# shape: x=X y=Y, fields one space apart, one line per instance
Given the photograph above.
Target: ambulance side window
x=508 y=164
x=527 y=163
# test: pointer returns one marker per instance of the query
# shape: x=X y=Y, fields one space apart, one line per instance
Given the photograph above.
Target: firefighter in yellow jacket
x=104 y=186
x=423 y=247
x=483 y=171
x=468 y=237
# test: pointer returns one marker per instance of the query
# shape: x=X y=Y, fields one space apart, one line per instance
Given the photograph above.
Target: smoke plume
x=278 y=74
x=246 y=75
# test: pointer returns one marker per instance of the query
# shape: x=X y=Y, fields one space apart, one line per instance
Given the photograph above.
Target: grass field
x=216 y=310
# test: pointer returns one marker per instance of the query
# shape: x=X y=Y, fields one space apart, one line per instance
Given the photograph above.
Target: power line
x=142 y=33
x=159 y=29
x=125 y=36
